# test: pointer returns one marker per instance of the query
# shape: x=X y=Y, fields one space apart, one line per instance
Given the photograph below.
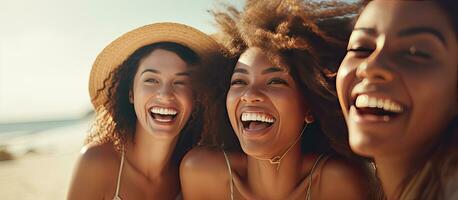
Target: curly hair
x=115 y=120
x=307 y=38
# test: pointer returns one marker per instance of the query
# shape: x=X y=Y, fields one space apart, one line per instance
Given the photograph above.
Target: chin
x=363 y=144
x=260 y=150
x=164 y=134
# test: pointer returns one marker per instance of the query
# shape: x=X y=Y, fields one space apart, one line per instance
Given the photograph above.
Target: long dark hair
x=116 y=123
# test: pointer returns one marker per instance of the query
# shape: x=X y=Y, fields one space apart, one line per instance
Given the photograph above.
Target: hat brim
x=120 y=49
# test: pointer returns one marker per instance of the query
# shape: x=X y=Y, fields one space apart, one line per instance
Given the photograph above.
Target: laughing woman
x=147 y=113
x=398 y=91
x=279 y=105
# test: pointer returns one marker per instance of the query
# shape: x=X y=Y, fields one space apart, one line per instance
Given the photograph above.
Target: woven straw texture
x=119 y=50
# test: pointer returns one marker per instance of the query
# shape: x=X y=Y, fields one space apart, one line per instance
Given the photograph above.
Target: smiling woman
x=281 y=107
x=149 y=113
x=397 y=87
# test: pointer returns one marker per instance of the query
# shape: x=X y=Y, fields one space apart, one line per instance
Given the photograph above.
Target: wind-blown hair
x=116 y=120
x=307 y=38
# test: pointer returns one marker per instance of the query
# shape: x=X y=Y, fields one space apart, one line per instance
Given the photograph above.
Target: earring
x=412 y=50
x=309 y=118
x=374 y=167
x=131 y=99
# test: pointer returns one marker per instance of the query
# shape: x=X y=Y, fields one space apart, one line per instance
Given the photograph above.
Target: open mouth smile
x=373 y=108
x=256 y=121
x=163 y=114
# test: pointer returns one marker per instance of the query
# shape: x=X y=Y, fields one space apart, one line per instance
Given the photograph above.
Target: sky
x=47 y=48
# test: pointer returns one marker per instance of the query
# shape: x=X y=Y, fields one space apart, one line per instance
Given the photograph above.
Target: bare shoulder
x=204 y=158
x=342 y=178
x=100 y=158
x=95 y=171
x=99 y=153
x=204 y=174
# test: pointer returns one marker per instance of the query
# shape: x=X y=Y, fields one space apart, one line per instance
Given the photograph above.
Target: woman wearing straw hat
x=148 y=113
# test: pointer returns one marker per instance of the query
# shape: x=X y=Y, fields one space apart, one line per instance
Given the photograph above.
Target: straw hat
x=119 y=50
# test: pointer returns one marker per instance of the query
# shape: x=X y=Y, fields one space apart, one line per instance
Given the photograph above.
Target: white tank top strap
x=323 y=157
x=231 y=184
x=116 y=197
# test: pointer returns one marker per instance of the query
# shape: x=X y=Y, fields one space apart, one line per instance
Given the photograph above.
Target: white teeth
x=163 y=111
x=262 y=117
x=380 y=103
x=365 y=101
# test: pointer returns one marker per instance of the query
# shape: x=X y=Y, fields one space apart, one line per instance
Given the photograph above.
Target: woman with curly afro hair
x=277 y=126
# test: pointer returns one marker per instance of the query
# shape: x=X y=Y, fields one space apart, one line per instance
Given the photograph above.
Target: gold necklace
x=276 y=160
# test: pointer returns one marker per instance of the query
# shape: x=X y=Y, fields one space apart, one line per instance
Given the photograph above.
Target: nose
x=375 y=68
x=252 y=95
x=165 y=93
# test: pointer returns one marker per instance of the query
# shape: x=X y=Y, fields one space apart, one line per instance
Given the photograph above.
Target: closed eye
x=275 y=81
x=179 y=83
x=151 y=80
x=238 y=82
x=417 y=54
x=361 y=51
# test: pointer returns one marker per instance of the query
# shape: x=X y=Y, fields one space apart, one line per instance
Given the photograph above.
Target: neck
x=152 y=156
x=391 y=172
x=394 y=168
x=269 y=182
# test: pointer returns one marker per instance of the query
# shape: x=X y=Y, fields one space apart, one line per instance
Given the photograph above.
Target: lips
x=256 y=121
x=163 y=114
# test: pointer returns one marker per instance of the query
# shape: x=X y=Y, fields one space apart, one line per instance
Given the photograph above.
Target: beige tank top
x=118 y=183
x=116 y=196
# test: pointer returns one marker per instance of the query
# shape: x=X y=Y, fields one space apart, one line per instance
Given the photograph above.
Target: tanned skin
x=148 y=173
x=258 y=86
x=408 y=59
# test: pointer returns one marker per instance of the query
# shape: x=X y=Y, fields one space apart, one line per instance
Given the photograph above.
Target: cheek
x=232 y=98
x=139 y=104
x=344 y=80
x=289 y=105
x=434 y=99
x=185 y=97
x=433 y=94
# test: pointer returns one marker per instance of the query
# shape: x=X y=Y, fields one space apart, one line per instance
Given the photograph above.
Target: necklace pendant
x=275 y=160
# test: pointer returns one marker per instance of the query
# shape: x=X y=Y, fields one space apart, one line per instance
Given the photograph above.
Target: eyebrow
x=186 y=73
x=240 y=70
x=272 y=70
x=266 y=71
x=422 y=30
x=150 y=70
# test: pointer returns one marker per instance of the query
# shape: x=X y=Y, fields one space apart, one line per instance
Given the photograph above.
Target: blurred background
x=46 y=51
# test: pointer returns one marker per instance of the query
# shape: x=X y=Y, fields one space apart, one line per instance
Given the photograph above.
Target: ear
x=131 y=97
x=309 y=118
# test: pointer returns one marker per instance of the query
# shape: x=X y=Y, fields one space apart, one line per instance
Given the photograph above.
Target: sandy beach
x=42 y=163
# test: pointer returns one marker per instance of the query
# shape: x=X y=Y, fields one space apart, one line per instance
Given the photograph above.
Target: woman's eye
x=151 y=80
x=238 y=82
x=417 y=54
x=179 y=83
x=277 y=81
x=361 y=51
